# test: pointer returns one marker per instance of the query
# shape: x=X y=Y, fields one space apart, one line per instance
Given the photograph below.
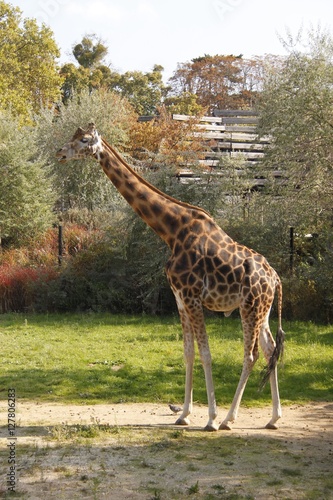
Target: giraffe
x=206 y=269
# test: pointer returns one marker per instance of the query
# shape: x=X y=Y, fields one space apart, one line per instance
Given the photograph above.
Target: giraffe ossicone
x=206 y=269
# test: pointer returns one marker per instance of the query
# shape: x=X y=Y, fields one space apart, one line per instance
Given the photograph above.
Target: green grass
x=75 y=358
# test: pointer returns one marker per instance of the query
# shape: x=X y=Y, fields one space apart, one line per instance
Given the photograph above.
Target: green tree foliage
x=296 y=108
x=75 y=80
x=90 y=52
x=91 y=74
x=26 y=195
x=144 y=91
x=29 y=76
x=184 y=104
x=82 y=185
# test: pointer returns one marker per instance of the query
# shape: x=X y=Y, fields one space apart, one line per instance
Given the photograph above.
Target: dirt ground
x=134 y=451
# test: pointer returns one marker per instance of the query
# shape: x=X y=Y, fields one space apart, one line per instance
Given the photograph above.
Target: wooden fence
x=230 y=132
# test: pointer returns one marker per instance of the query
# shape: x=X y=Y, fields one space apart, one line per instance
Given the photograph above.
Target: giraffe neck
x=164 y=214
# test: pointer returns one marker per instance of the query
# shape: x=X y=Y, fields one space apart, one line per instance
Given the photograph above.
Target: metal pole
x=291 y=250
x=60 y=246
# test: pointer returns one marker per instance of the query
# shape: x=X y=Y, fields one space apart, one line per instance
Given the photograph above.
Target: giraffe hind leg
x=251 y=331
x=272 y=352
x=189 y=353
x=248 y=363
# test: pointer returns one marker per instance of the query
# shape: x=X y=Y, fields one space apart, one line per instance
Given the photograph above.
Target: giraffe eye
x=84 y=139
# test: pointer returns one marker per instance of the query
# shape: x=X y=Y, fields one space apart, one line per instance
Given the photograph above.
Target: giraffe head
x=84 y=143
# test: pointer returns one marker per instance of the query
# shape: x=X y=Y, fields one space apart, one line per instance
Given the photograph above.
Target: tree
x=164 y=141
x=29 y=75
x=184 y=104
x=145 y=91
x=81 y=186
x=218 y=81
x=75 y=80
x=90 y=52
x=296 y=109
x=91 y=74
x=26 y=195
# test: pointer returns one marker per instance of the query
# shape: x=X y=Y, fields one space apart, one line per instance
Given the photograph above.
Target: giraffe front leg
x=188 y=342
x=207 y=365
x=189 y=354
x=206 y=360
x=212 y=410
x=188 y=400
x=194 y=327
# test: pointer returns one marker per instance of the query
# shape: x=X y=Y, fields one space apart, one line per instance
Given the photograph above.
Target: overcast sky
x=141 y=33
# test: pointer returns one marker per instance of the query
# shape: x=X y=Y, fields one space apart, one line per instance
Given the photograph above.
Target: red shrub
x=78 y=238
x=25 y=273
x=17 y=286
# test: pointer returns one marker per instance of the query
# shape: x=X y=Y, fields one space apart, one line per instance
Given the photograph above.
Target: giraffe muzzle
x=62 y=158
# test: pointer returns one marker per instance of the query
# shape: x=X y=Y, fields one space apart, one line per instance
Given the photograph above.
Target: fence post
x=291 y=250
x=60 y=246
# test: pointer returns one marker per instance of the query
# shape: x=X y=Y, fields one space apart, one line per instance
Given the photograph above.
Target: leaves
x=90 y=52
x=26 y=197
x=82 y=185
x=219 y=81
x=143 y=90
x=296 y=110
x=29 y=77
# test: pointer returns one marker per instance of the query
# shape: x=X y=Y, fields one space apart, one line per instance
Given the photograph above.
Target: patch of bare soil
x=134 y=451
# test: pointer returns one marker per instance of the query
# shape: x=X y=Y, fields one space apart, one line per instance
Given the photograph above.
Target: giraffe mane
x=151 y=186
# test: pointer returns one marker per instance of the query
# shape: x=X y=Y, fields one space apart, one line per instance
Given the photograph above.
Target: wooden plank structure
x=230 y=132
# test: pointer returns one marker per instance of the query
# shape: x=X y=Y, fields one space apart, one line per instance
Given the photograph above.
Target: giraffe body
x=206 y=269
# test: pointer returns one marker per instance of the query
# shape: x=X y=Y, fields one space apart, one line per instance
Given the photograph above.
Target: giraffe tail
x=279 y=340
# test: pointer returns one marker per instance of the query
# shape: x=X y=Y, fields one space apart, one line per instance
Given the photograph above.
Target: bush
x=308 y=294
x=19 y=285
x=94 y=279
x=26 y=194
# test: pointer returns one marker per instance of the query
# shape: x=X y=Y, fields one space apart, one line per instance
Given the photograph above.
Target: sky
x=142 y=33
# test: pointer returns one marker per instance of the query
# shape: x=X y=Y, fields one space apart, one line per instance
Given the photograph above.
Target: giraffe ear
x=78 y=133
x=91 y=128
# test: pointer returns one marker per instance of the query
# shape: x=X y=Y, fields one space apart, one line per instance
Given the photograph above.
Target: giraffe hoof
x=182 y=421
x=210 y=428
x=271 y=426
x=225 y=427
